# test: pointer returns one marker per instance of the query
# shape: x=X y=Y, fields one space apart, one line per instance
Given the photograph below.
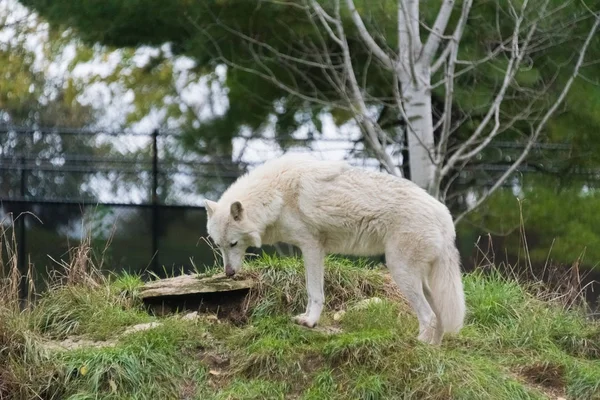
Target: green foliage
x=213 y=30
x=28 y=95
x=561 y=224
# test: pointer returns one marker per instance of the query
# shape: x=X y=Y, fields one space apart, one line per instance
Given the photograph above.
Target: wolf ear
x=237 y=211
x=211 y=207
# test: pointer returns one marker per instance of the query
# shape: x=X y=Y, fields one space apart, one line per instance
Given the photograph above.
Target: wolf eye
x=233 y=244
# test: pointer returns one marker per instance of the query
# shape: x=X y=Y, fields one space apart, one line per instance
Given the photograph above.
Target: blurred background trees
x=217 y=73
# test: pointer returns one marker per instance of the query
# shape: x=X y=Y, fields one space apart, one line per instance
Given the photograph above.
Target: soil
x=547 y=378
x=229 y=305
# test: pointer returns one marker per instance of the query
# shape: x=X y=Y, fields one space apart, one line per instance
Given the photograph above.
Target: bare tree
x=434 y=164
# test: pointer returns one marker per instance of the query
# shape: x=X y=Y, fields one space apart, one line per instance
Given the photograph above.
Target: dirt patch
x=187 y=390
x=545 y=377
x=215 y=361
x=218 y=367
x=312 y=363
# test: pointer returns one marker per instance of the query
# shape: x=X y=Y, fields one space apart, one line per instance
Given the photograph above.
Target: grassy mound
x=74 y=344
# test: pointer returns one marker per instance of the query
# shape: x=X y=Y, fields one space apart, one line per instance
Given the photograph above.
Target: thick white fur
x=330 y=207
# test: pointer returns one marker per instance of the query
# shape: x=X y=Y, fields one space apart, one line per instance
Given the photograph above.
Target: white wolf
x=330 y=207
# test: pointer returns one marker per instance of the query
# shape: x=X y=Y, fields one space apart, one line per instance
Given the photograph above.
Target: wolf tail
x=447 y=290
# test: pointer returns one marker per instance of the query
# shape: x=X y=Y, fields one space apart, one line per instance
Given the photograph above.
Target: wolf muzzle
x=229 y=271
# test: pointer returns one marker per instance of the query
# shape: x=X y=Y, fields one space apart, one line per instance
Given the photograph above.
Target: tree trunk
x=417 y=105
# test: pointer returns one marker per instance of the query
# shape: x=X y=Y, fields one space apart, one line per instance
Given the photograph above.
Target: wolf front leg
x=314 y=257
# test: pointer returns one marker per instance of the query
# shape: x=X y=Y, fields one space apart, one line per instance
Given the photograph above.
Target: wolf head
x=232 y=231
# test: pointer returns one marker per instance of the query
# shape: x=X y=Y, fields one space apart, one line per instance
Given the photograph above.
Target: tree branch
x=409 y=42
x=367 y=38
x=439 y=26
x=513 y=65
x=449 y=96
x=325 y=19
x=413 y=22
x=359 y=107
x=542 y=123
x=456 y=36
x=269 y=76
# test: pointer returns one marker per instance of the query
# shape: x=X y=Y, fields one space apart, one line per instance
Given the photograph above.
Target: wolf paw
x=303 y=319
x=430 y=336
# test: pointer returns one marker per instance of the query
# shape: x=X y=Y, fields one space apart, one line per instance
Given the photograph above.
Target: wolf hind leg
x=409 y=276
x=439 y=329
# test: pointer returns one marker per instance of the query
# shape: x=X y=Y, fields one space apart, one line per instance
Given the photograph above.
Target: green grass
x=98 y=313
x=513 y=346
x=152 y=364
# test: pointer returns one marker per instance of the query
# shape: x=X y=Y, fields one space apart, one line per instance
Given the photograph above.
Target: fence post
x=21 y=247
x=155 y=201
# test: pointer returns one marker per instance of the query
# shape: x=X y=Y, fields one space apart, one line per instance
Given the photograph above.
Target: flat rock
x=193 y=284
x=74 y=343
x=141 y=327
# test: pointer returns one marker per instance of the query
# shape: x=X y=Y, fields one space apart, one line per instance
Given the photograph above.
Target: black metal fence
x=59 y=186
